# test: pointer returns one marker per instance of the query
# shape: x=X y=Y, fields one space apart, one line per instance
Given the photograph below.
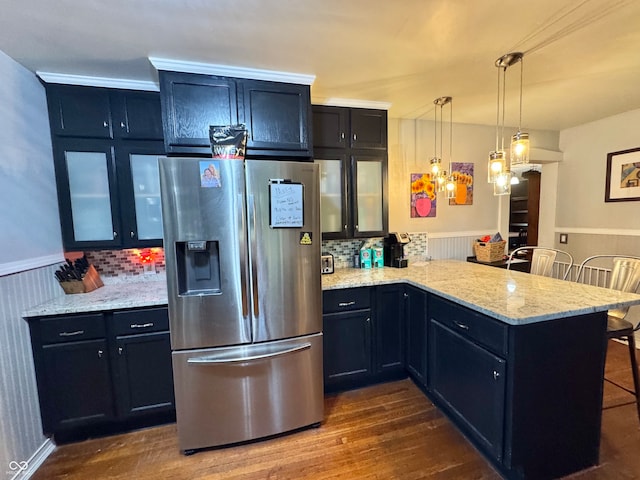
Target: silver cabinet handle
x=105 y=124
x=346 y=304
x=141 y=325
x=119 y=350
x=345 y=226
x=461 y=325
x=222 y=358
x=100 y=352
x=368 y=319
x=496 y=375
x=355 y=137
x=122 y=125
x=406 y=295
x=341 y=135
x=71 y=334
x=132 y=234
x=115 y=234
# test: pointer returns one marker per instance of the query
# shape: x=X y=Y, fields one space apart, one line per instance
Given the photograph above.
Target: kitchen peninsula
x=514 y=360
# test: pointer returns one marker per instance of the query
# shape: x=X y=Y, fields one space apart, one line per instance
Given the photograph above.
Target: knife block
x=90 y=282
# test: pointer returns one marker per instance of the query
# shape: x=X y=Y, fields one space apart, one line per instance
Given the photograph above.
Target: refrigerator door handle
x=254 y=255
x=242 y=227
x=226 y=358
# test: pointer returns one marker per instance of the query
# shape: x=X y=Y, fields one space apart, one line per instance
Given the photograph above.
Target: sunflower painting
x=462 y=173
x=423 y=196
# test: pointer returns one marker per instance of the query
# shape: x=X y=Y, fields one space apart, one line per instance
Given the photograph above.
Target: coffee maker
x=394 y=249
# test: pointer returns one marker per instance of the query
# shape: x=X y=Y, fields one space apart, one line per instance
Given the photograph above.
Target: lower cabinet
x=103 y=372
x=363 y=336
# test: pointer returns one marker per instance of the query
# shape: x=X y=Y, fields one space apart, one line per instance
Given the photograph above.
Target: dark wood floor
x=388 y=431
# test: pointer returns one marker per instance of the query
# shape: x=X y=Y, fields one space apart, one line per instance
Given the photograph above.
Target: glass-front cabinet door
x=85 y=172
x=334 y=215
x=140 y=184
x=369 y=196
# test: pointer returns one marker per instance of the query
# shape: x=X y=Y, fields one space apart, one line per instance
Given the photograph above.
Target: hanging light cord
x=450 y=134
x=498 y=115
x=504 y=81
x=521 y=76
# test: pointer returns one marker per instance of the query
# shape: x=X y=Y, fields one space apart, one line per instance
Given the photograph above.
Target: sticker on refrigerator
x=306 y=238
x=210 y=174
x=286 y=202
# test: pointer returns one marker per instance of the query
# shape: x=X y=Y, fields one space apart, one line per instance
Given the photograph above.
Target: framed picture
x=623 y=176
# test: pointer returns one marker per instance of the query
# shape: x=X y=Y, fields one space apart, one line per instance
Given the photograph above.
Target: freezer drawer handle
x=277 y=353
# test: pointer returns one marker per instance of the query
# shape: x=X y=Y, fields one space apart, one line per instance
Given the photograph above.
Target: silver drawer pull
x=71 y=334
x=346 y=304
x=141 y=325
x=461 y=325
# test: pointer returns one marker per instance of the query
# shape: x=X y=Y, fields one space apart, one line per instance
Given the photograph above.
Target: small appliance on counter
x=326 y=262
x=393 y=249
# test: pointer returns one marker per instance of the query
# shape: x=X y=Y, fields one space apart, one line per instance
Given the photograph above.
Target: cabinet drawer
x=488 y=332
x=67 y=329
x=140 y=321
x=345 y=299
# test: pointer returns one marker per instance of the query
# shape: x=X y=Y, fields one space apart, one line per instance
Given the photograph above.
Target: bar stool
x=625 y=276
x=542 y=259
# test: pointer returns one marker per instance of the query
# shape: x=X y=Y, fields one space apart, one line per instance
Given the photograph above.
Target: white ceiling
x=581 y=63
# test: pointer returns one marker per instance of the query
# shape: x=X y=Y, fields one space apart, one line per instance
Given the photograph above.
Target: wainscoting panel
x=20 y=428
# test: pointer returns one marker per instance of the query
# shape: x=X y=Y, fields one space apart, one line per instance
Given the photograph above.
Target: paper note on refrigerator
x=287 y=205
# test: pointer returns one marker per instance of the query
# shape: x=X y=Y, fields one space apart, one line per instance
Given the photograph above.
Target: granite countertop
x=513 y=297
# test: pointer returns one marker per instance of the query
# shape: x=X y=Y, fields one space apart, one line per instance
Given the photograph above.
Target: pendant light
x=499 y=171
x=520 y=141
x=439 y=175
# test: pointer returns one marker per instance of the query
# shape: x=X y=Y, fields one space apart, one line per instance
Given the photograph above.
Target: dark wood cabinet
x=75 y=384
x=355 y=128
x=363 y=336
x=470 y=382
x=276 y=114
x=100 y=372
x=416 y=302
x=105 y=149
x=390 y=329
x=350 y=147
x=347 y=338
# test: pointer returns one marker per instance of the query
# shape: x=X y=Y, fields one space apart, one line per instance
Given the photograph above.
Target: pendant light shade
x=520 y=141
x=497 y=165
x=502 y=185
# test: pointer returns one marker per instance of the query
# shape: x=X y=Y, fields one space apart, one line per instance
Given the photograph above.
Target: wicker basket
x=489 y=252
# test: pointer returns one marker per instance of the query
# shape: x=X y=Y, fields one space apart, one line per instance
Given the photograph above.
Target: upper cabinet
x=342 y=127
x=277 y=115
x=90 y=112
x=350 y=145
x=106 y=145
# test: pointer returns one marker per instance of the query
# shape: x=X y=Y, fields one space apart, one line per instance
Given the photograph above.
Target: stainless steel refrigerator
x=242 y=249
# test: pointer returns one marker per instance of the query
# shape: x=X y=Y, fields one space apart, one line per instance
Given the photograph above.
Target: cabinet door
x=470 y=383
x=334 y=215
x=190 y=104
x=137 y=115
x=139 y=181
x=389 y=328
x=87 y=193
x=417 y=323
x=77 y=387
x=277 y=118
x=369 y=195
x=330 y=126
x=79 y=111
x=368 y=128
x=347 y=348
x=144 y=376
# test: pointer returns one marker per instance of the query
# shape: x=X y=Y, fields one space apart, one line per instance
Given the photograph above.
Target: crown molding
x=354 y=103
x=229 y=71
x=83 y=80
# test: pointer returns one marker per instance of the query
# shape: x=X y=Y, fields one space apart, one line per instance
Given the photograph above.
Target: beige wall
x=410 y=149
x=595 y=226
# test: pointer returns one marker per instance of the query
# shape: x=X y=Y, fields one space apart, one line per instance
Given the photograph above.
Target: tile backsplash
x=119 y=263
